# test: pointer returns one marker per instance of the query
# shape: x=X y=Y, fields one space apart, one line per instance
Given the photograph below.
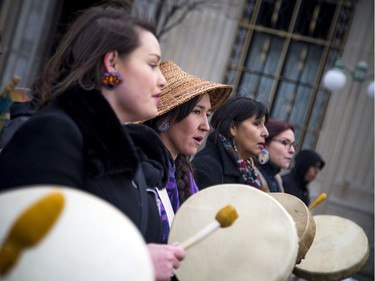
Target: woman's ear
x=110 y=61
x=232 y=129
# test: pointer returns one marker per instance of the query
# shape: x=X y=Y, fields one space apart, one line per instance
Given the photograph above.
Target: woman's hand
x=166 y=259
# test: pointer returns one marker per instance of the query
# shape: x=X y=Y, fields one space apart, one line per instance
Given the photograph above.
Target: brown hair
x=276 y=127
x=79 y=57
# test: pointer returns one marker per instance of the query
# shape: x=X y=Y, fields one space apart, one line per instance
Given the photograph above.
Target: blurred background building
x=275 y=51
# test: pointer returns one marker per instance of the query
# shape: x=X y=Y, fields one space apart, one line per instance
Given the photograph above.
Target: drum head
x=90 y=240
x=339 y=250
x=261 y=244
x=302 y=217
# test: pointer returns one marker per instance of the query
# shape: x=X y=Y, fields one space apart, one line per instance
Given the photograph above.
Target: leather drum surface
x=89 y=240
x=262 y=244
x=339 y=250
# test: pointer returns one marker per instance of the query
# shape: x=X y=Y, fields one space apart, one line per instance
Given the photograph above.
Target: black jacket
x=270 y=173
x=213 y=166
x=294 y=182
x=77 y=141
x=20 y=112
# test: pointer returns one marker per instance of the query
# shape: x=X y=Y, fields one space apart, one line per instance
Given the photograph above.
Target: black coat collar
x=214 y=144
x=151 y=150
x=108 y=147
x=269 y=168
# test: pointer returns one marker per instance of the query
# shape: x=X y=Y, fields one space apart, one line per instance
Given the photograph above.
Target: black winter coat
x=294 y=182
x=213 y=166
x=270 y=173
x=20 y=112
x=78 y=141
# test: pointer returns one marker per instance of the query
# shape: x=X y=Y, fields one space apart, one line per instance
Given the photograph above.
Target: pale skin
x=136 y=99
x=280 y=154
x=186 y=136
x=249 y=136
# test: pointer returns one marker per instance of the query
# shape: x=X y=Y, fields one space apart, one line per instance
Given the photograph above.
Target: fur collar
x=108 y=147
x=152 y=151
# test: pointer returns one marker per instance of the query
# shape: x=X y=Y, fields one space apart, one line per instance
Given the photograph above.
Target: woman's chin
x=145 y=117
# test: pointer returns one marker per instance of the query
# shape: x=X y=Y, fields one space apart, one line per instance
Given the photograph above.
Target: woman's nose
x=265 y=133
x=161 y=80
x=205 y=125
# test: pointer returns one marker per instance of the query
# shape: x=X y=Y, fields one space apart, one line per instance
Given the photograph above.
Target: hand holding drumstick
x=224 y=218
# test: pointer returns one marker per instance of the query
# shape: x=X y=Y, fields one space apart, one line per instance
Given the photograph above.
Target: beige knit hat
x=182 y=87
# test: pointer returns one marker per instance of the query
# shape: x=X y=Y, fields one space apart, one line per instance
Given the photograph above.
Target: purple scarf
x=172 y=191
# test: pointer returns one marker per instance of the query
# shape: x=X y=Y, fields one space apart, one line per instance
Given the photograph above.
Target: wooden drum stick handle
x=200 y=235
x=318 y=200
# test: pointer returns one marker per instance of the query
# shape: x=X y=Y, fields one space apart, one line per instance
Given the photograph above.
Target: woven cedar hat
x=182 y=87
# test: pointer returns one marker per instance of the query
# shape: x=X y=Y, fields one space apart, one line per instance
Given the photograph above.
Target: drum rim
x=281 y=208
x=308 y=235
x=337 y=274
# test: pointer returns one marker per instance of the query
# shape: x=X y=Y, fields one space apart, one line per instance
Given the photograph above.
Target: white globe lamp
x=334 y=80
x=371 y=90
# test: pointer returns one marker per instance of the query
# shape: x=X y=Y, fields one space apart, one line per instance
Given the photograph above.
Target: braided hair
x=184 y=169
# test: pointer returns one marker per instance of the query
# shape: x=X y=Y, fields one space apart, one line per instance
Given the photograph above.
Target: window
x=280 y=53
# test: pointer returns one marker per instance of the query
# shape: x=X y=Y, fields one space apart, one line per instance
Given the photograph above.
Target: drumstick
x=318 y=200
x=224 y=218
x=29 y=229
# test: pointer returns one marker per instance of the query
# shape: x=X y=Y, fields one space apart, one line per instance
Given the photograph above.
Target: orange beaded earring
x=111 y=80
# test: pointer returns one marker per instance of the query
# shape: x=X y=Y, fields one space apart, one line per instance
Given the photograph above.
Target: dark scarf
x=173 y=197
x=246 y=168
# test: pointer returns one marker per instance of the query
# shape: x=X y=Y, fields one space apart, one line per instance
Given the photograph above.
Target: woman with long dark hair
x=182 y=123
x=105 y=74
x=238 y=138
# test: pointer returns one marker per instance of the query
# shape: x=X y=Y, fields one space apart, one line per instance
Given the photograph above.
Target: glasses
x=286 y=143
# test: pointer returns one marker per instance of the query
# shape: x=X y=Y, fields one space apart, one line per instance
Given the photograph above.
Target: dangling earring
x=111 y=80
x=164 y=126
x=234 y=144
x=264 y=156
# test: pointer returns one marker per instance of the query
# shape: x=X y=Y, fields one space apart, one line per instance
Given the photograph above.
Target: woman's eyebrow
x=202 y=107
